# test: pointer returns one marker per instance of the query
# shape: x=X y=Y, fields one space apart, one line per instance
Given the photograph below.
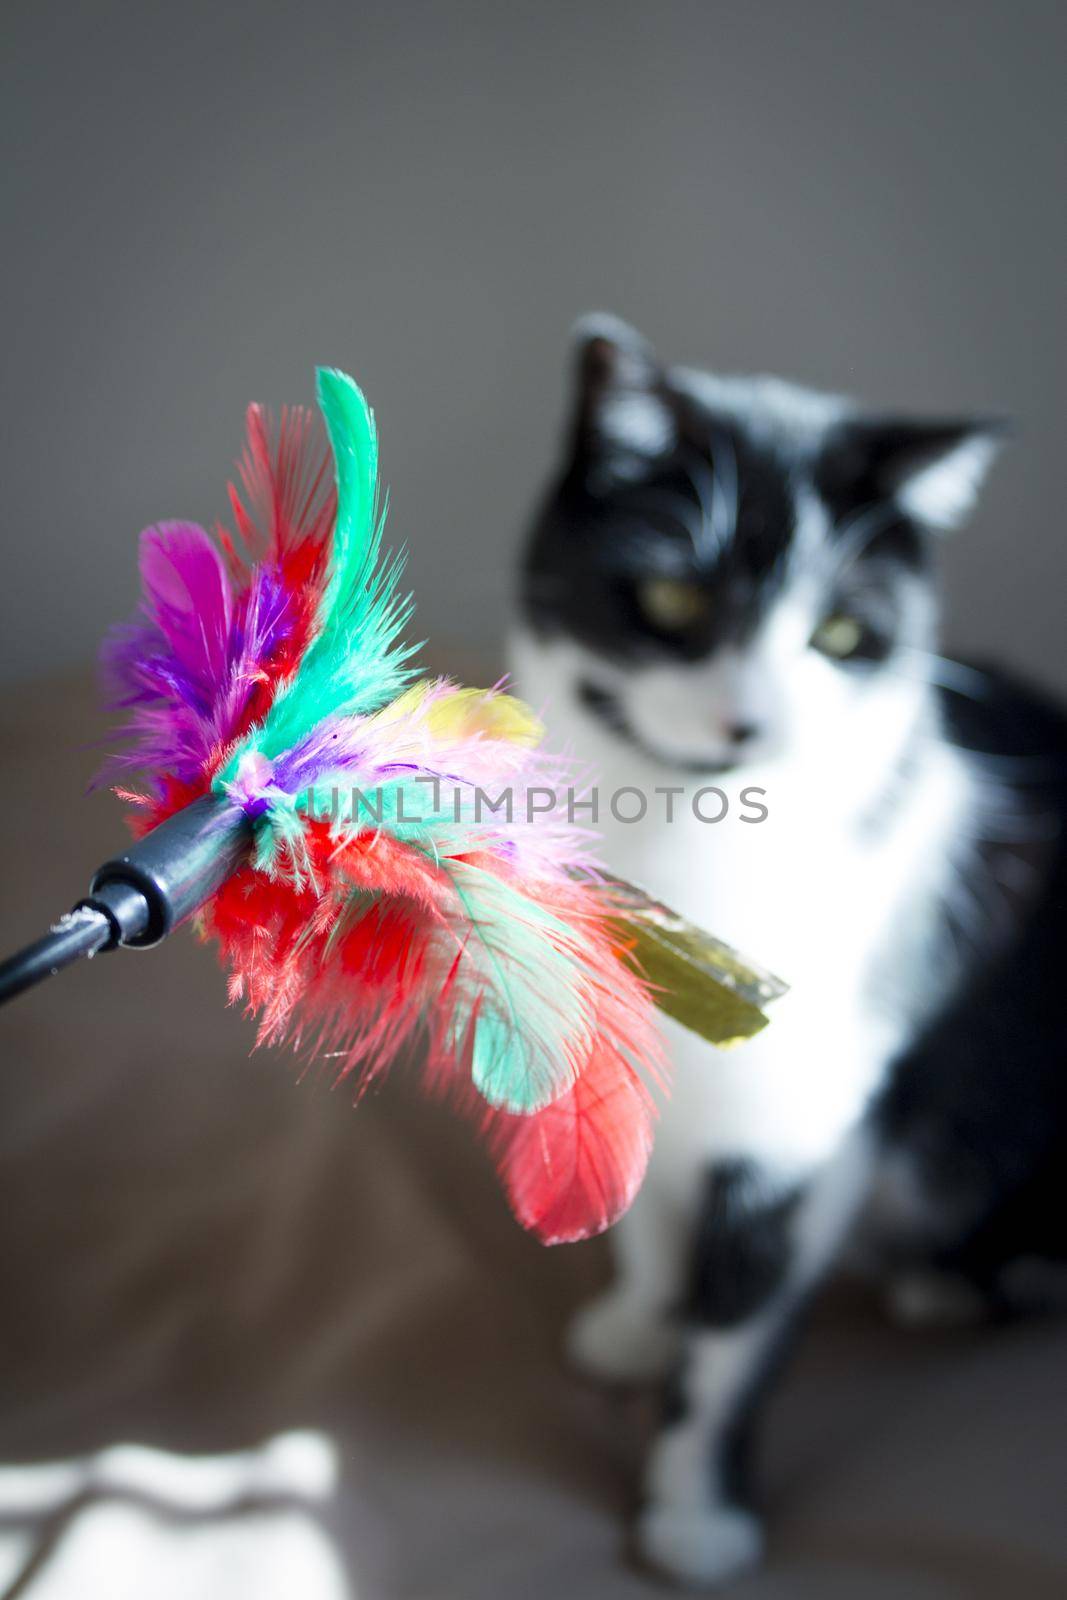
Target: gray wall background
x=203 y=201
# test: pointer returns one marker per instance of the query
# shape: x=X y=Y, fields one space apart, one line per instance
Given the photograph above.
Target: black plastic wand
x=136 y=898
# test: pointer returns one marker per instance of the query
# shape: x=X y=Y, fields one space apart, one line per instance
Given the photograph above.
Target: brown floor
x=196 y=1249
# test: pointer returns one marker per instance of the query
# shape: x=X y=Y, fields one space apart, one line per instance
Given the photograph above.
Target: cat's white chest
x=803 y=892
x=792 y=890
x=775 y=889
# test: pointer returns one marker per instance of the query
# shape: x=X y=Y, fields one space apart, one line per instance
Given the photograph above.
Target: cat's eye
x=671 y=604
x=838 y=635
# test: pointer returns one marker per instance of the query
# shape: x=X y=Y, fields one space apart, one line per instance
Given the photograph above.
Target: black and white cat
x=730 y=583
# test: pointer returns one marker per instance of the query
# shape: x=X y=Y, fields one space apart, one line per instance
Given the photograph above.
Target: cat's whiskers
x=701 y=480
x=945 y=673
x=857 y=532
x=675 y=506
x=725 y=490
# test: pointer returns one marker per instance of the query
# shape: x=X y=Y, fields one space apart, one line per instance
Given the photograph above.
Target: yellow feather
x=468 y=714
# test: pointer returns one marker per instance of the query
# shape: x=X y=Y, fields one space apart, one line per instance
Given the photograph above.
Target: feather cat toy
x=322 y=811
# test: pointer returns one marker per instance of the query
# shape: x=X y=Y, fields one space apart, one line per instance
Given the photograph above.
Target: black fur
x=741 y=1246
x=740 y=1258
x=980 y=1101
x=597 y=537
x=715 y=507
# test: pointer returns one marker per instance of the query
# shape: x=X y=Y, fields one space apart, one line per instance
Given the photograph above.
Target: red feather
x=572 y=1169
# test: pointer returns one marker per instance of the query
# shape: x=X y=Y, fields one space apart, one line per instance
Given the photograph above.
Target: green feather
x=357 y=534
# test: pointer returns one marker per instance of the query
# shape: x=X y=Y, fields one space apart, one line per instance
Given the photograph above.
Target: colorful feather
x=389 y=907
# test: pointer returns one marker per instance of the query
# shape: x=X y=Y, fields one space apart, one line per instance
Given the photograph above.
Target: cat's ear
x=620 y=402
x=934 y=470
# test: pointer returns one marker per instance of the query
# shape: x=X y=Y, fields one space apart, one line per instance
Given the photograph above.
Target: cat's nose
x=741 y=732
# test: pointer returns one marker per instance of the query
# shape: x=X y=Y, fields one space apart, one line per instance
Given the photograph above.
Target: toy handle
x=138 y=897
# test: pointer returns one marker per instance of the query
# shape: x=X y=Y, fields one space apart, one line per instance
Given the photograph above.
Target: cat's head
x=733 y=570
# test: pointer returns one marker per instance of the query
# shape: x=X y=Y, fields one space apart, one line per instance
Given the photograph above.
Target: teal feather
x=533 y=1012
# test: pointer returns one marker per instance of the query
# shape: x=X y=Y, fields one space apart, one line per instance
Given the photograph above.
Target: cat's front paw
x=617 y=1341
x=699 y=1547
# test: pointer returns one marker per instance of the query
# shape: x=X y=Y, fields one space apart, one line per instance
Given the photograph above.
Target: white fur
x=704 y=1546
x=636 y=421
x=718 y=1364
x=767 y=405
x=944 y=493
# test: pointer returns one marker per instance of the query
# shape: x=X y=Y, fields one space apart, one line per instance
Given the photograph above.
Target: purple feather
x=185 y=674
